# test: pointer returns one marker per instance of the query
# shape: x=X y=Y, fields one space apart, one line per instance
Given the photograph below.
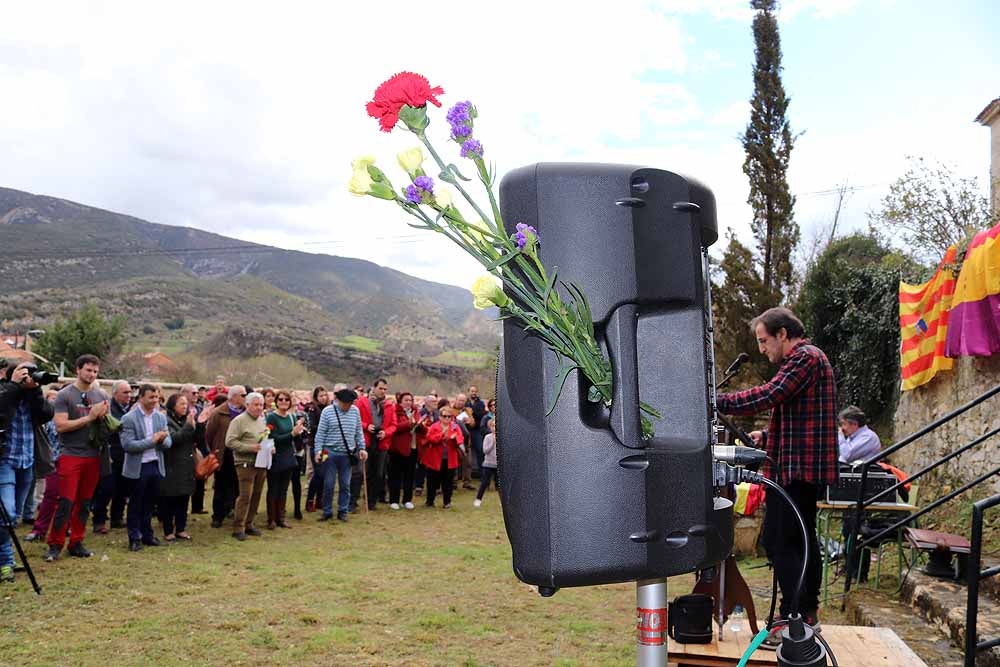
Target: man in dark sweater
x=112 y=487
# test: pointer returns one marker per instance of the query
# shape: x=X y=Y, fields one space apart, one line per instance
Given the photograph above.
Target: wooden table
x=854 y=646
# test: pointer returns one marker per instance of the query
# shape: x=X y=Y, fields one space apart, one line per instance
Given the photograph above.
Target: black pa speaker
x=585 y=499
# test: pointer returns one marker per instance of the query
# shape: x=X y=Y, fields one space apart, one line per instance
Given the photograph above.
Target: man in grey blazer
x=144 y=436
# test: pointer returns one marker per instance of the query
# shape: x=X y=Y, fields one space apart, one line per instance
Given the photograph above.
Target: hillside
x=59 y=253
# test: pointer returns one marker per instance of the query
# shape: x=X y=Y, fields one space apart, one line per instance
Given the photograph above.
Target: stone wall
x=949 y=390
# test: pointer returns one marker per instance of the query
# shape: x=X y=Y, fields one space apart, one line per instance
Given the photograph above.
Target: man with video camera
x=23 y=409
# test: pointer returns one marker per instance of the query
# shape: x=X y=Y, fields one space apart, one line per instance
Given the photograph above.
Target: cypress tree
x=768 y=144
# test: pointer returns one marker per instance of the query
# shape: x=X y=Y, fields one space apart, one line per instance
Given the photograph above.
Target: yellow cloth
x=923 y=321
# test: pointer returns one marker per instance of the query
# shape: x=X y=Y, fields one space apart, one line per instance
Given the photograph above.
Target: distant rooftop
x=989 y=114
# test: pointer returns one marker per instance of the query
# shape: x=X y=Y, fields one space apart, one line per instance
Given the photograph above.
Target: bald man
x=112 y=487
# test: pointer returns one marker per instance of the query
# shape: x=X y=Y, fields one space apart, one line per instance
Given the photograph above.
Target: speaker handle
x=622 y=350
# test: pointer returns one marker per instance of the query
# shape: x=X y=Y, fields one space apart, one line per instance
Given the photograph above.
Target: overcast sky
x=242 y=118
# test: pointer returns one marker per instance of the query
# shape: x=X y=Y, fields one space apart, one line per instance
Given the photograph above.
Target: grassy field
x=360 y=343
x=426 y=587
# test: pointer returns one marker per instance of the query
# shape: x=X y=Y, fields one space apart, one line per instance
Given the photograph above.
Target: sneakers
x=477 y=502
x=394 y=506
x=419 y=491
x=408 y=506
x=447 y=506
x=33 y=537
x=79 y=551
x=52 y=554
x=325 y=517
x=6 y=574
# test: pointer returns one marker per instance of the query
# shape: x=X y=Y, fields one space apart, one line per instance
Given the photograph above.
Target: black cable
x=760 y=479
x=829 y=651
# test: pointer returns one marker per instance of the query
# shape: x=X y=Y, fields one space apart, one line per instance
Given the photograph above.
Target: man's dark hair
x=85 y=359
x=376 y=382
x=220 y=399
x=249 y=389
x=8 y=366
x=146 y=387
x=854 y=414
x=776 y=319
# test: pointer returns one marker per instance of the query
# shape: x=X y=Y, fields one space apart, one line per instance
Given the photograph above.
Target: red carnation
x=404 y=88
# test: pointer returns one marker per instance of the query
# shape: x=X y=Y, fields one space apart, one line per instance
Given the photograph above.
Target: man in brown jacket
x=226 y=486
x=244 y=437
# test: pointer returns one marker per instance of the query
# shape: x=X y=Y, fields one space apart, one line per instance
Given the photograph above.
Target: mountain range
x=234 y=297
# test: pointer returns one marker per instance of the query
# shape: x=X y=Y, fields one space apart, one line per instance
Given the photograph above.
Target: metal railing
x=973 y=576
x=854 y=547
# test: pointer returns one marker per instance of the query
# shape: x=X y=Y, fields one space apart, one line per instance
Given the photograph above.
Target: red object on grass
x=404 y=88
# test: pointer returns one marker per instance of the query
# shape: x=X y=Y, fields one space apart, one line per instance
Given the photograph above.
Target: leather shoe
x=252 y=531
x=134 y=545
x=52 y=554
x=240 y=536
x=216 y=524
x=117 y=524
x=325 y=517
x=151 y=542
x=342 y=516
x=101 y=529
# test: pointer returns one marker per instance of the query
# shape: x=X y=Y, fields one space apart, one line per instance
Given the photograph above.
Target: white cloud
x=242 y=119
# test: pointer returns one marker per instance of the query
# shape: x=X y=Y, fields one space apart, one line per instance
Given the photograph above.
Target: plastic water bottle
x=736 y=619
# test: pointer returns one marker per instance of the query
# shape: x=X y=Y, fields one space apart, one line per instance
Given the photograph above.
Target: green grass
x=427 y=587
x=360 y=343
x=464 y=358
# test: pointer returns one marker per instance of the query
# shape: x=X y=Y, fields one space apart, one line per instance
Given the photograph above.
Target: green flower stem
x=484 y=176
x=444 y=168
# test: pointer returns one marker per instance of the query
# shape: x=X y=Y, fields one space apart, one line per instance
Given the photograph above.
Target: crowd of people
x=72 y=455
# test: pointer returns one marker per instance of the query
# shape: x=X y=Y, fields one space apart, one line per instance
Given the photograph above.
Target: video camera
x=40 y=378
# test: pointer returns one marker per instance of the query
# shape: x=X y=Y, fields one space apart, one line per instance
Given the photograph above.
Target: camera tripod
x=12 y=529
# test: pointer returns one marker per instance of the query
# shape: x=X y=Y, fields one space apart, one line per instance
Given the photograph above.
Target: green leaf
x=594 y=394
x=503 y=259
x=560 y=382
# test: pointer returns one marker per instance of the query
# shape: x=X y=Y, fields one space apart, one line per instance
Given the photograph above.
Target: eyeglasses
x=284 y=400
x=447 y=416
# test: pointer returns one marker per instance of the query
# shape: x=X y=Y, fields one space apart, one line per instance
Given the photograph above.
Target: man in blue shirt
x=22 y=408
x=856 y=441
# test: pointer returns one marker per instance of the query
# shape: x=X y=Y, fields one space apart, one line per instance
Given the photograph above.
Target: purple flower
x=521 y=236
x=460 y=132
x=459 y=113
x=472 y=148
x=422 y=186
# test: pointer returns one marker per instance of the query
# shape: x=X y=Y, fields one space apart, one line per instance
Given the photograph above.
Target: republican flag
x=923 y=323
x=974 y=326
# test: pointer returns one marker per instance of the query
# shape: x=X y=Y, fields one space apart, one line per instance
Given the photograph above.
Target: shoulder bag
x=352 y=454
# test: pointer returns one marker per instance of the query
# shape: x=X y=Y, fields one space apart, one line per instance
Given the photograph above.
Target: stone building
x=970 y=377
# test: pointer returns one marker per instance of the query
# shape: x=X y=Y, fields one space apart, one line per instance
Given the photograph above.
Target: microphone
x=739 y=361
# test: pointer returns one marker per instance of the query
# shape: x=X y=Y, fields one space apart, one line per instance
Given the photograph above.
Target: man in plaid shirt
x=801 y=440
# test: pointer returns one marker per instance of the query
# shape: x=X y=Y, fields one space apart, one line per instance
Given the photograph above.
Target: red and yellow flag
x=923 y=322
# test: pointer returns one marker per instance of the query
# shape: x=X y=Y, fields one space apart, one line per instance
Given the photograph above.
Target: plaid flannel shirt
x=802 y=434
x=20 y=439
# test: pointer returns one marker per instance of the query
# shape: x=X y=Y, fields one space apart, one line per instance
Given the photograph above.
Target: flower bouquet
x=526 y=291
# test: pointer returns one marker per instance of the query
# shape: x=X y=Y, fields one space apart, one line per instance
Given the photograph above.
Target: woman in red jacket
x=439 y=453
x=403 y=452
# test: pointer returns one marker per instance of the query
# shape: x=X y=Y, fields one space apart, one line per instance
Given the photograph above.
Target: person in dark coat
x=178 y=484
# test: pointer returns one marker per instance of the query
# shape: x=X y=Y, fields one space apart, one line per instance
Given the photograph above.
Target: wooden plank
x=854 y=646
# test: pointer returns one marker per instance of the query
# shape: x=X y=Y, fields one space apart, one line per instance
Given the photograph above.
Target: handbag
x=204 y=468
x=352 y=454
x=44 y=463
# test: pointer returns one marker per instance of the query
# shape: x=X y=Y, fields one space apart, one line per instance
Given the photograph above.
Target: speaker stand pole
x=651 y=622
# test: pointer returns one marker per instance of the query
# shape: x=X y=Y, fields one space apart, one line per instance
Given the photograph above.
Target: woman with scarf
x=403 y=452
x=178 y=484
x=314 y=493
x=285 y=427
x=439 y=450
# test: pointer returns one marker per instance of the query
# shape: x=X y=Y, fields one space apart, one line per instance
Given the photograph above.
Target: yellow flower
x=475 y=231
x=443 y=197
x=361 y=181
x=411 y=160
x=486 y=293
